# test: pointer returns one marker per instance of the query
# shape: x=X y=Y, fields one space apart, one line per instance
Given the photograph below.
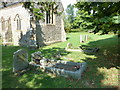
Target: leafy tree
x=82 y=20
x=37 y=9
x=69 y=18
x=70 y=13
x=104 y=16
x=67 y=25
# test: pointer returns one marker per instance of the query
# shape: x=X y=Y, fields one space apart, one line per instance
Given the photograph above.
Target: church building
x=17 y=26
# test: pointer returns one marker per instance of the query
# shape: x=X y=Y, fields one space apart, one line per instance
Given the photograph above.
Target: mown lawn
x=102 y=71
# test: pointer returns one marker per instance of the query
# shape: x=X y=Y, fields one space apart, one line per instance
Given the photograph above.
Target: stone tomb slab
x=20 y=60
x=80 y=49
x=63 y=68
x=68 y=69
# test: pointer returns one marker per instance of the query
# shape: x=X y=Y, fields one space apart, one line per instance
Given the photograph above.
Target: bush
x=67 y=27
x=76 y=30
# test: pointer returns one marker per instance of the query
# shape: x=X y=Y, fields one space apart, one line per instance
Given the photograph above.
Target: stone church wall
x=54 y=32
x=11 y=12
x=49 y=32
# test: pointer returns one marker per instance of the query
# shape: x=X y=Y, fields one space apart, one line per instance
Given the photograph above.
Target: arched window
x=3 y=24
x=49 y=15
x=9 y=23
x=18 y=22
x=8 y=34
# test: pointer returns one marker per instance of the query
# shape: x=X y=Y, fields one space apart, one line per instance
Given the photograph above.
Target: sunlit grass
x=101 y=71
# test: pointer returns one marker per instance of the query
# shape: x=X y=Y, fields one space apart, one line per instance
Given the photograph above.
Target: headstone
x=81 y=39
x=28 y=39
x=69 y=46
x=86 y=37
x=20 y=62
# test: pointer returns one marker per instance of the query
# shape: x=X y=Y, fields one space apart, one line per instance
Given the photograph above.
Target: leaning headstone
x=28 y=40
x=20 y=62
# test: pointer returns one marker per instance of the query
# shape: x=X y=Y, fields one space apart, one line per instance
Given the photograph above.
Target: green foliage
x=82 y=20
x=70 y=13
x=69 y=18
x=39 y=8
x=76 y=30
x=67 y=25
x=104 y=16
x=116 y=19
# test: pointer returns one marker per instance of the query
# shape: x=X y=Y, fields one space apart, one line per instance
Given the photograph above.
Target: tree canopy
x=100 y=16
x=69 y=18
x=38 y=8
x=70 y=13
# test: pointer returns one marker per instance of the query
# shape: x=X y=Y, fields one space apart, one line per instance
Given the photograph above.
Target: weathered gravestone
x=28 y=39
x=83 y=38
x=69 y=46
x=20 y=62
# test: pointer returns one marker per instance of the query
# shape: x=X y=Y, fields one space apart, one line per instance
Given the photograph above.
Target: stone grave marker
x=20 y=60
x=86 y=37
x=69 y=45
x=83 y=38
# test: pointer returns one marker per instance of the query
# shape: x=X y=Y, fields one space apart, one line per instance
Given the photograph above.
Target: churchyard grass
x=102 y=71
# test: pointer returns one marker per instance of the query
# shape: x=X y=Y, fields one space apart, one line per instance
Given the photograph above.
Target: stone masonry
x=16 y=19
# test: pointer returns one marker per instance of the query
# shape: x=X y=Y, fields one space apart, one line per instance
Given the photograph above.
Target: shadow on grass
x=67 y=38
x=74 y=31
x=108 y=54
x=106 y=60
x=33 y=78
x=54 y=53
